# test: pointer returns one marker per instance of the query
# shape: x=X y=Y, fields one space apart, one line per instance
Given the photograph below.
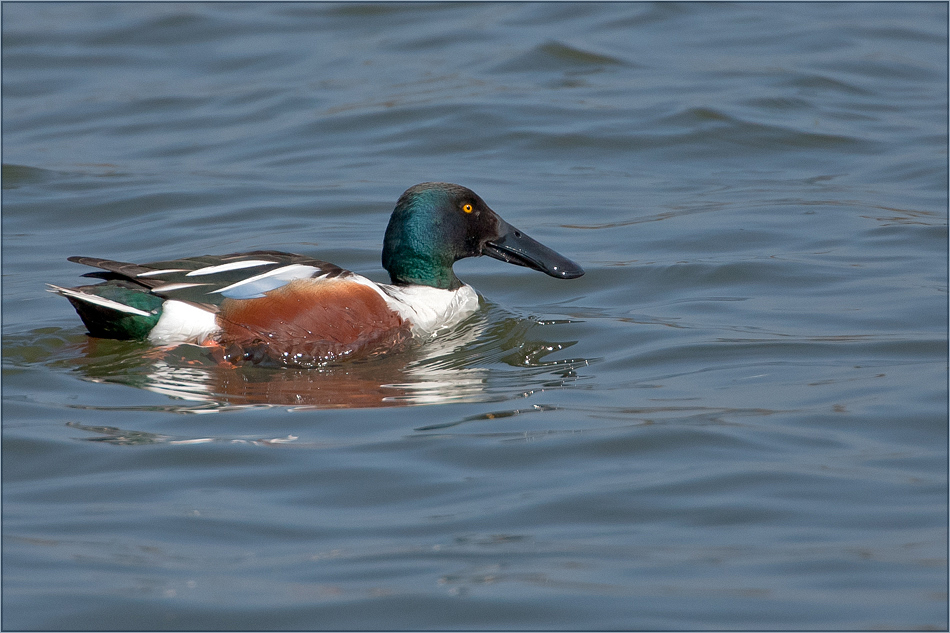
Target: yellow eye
x=467 y=208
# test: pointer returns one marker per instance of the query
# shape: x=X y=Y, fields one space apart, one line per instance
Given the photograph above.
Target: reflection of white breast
x=439 y=374
x=431 y=309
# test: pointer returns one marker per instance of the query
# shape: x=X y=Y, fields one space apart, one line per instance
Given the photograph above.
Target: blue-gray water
x=737 y=419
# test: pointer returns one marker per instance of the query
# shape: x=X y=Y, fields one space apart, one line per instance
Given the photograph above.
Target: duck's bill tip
x=570 y=270
x=516 y=247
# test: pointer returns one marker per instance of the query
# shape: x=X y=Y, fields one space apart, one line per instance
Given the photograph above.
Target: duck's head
x=435 y=224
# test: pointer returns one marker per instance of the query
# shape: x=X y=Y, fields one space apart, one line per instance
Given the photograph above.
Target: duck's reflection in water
x=354 y=385
x=441 y=370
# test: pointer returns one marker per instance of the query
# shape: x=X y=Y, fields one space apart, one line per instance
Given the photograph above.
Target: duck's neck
x=412 y=269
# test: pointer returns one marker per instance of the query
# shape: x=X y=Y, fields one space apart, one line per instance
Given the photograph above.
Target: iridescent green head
x=435 y=224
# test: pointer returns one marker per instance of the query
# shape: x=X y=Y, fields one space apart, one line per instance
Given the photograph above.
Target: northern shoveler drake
x=296 y=310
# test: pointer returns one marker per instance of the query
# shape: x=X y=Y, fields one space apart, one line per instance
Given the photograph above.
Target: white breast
x=431 y=309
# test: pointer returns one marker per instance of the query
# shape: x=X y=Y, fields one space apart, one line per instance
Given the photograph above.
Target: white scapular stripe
x=170 y=287
x=97 y=300
x=284 y=273
x=164 y=271
x=223 y=268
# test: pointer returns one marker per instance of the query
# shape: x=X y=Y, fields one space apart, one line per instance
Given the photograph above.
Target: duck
x=294 y=310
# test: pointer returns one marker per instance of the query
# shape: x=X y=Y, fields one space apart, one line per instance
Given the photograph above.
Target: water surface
x=737 y=419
